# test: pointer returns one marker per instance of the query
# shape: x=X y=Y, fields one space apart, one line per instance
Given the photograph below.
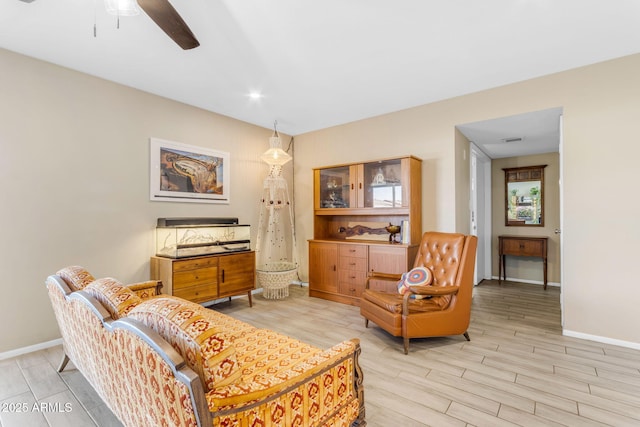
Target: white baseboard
x=532 y=282
x=24 y=350
x=605 y=340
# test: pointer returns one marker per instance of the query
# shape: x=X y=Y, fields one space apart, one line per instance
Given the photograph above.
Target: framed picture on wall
x=185 y=173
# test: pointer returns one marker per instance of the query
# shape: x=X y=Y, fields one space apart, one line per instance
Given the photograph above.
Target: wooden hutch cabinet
x=352 y=205
x=206 y=278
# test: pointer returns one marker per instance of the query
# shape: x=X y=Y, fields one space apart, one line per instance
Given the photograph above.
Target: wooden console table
x=529 y=246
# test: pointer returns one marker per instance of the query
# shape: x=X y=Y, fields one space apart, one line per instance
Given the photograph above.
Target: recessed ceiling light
x=255 y=95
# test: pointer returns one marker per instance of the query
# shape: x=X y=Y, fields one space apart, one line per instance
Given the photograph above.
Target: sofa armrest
x=146 y=289
x=246 y=394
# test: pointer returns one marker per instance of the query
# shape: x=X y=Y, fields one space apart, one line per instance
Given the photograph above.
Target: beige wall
x=600 y=233
x=463 y=178
x=74 y=159
x=74 y=163
x=528 y=269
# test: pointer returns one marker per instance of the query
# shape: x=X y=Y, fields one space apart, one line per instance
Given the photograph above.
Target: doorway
x=480 y=211
x=495 y=144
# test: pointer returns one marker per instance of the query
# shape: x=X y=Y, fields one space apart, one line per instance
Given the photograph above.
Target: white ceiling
x=325 y=62
x=525 y=134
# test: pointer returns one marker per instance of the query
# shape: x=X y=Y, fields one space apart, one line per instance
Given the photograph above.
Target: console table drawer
x=521 y=247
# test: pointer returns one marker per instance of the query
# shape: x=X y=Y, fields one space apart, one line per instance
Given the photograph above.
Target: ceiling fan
x=168 y=19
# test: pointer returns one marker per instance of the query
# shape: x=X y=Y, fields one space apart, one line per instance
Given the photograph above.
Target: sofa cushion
x=193 y=331
x=114 y=296
x=76 y=277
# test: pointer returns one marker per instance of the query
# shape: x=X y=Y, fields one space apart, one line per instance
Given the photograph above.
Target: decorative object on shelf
x=378 y=179
x=392 y=230
x=365 y=230
x=276 y=254
x=404 y=227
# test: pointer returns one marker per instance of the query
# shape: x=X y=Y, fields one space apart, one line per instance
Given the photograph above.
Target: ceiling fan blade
x=169 y=21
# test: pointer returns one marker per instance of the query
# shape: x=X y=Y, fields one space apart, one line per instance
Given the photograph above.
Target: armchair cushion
x=76 y=277
x=118 y=299
x=195 y=334
x=393 y=302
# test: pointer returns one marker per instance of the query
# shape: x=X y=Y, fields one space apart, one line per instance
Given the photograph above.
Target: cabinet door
x=387 y=259
x=236 y=273
x=337 y=187
x=382 y=184
x=323 y=266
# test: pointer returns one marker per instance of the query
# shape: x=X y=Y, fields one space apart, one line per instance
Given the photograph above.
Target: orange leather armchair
x=446 y=308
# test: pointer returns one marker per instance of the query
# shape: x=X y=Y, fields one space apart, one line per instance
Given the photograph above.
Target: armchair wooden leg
x=366 y=322
x=466 y=335
x=406 y=345
x=63 y=362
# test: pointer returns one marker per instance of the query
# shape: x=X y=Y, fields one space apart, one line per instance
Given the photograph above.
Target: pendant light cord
x=95 y=13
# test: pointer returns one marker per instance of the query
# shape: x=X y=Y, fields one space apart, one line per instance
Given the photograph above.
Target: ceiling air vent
x=515 y=139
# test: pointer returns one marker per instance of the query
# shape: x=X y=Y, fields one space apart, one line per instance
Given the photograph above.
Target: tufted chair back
x=441 y=252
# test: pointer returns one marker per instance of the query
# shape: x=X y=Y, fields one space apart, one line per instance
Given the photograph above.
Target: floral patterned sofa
x=159 y=360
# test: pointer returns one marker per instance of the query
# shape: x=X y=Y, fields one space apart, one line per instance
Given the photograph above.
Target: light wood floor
x=517 y=370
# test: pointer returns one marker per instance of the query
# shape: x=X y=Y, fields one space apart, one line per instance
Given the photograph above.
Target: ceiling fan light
x=122 y=7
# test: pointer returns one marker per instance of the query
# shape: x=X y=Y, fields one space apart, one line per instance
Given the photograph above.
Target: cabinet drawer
x=523 y=247
x=197 y=293
x=351 y=289
x=358 y=251
x=183 y=279
x=352 y=263
x=194 y=264
x=352 y=276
